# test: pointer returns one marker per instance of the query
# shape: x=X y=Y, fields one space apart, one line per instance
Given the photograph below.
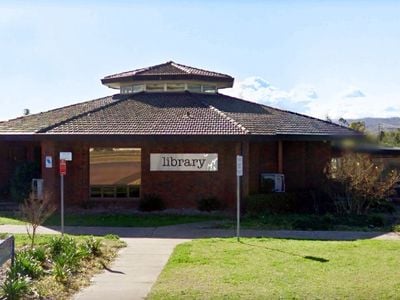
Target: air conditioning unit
x=272 y=182
x=37 y=188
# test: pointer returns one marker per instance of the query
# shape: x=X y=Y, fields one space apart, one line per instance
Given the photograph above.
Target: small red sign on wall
x=63 y=167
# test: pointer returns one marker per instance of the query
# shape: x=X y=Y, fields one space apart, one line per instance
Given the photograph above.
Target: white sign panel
x=66 y=156
x=49 y=162
x=184 y=162
x=239 y=165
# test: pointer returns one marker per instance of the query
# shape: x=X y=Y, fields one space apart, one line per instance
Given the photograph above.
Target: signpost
x=64 y=157
x=63 y=172
x=239 y=173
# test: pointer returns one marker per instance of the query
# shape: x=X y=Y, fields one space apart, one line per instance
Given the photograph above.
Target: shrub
x=61 y=272
x=36 y=211
x=93 y=246
x=111 y=237
x=66 y=253
x=259 y=204
x=357 y=184
x=39 y=254
x=26 y=265
x=151 y=202
x=15 y=287
x=20 y=183
x=208 y=204
x=59 y=245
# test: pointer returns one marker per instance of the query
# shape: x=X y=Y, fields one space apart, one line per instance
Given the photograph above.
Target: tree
x=356 y=183
x=343 y=121
x=359 y=126
x=36 y=211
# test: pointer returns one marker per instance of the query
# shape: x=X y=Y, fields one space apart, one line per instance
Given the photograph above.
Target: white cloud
x=353 y=93
x=349 y=103
x=256 y=89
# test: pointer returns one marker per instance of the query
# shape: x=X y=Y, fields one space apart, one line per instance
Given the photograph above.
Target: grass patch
x=122 y=220
x=371 y=222
x=112 y=220
x=280 y=269
x=10 y=220
x=100 y=251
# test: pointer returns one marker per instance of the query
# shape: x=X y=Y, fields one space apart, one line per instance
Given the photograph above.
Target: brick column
x=51 y=175
x=246 y=168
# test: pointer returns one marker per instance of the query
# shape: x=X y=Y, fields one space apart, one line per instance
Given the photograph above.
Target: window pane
x=209 y=89
x=114 y=170
x=95 y=192
x=138 y=88
x=155 y=87
x=195 y=88
x=175 y=86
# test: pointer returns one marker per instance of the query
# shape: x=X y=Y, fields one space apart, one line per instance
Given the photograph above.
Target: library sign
x=184 y=162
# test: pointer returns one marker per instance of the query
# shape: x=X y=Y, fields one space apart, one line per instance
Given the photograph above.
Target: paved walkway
x=133 y=273
x=138 y=265
x=206 y=230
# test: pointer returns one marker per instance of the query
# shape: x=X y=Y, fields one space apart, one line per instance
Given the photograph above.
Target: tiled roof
x=172 y=114
x=168 y=70
x=156 y=113
x=43 y=121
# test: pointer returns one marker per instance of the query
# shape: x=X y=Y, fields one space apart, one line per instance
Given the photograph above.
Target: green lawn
x=121 y=220
x=281 y=269
x=10 y=219
x=113 y=220
x=371 y=222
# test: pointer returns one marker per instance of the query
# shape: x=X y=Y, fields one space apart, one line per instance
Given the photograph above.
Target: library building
x=167 y=131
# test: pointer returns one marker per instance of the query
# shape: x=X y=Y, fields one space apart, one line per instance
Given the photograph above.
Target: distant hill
x=373 y=124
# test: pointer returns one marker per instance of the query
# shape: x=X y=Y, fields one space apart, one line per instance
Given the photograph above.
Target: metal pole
x=238 y=208
x=62 y=204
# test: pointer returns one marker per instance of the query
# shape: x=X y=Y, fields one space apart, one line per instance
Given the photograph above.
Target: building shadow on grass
x=308 y=257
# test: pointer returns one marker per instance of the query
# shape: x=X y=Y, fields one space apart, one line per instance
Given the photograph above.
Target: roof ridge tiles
x=55 y=125
x=184 y=68
x=222 y=114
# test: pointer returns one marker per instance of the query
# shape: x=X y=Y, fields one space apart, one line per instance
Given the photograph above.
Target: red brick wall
x=177 y=189
x=12 y=153
x=183 y=189
x=303 y=163
x=263 y=159
x=5 y=165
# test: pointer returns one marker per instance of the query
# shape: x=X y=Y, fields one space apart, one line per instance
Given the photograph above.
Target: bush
x=151 y=202
x=61 y=272
x=111 y=236
x=208 y=204
x=66 y=253
x=93 y=246
x=26 y=265
x=358 y=183
x=15 y=287
x=21 y=180
x=39 y=254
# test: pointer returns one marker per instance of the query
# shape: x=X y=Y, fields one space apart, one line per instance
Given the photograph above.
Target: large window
x=115 y=172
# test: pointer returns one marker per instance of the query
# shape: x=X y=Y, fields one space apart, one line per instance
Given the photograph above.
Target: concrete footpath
x=137 y=266
x=134 y=271
x=206 y=230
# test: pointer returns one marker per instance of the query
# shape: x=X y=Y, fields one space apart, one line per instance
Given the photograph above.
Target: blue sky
x=336 y=58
